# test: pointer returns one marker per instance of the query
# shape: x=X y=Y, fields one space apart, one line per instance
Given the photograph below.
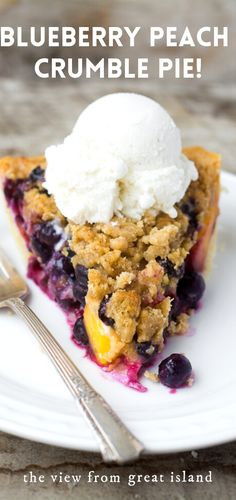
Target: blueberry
x=80 y=286
x=81 y=272
x=46 y=233
x=80 y=333
x=63 y=264
x=37 y=174
x=43 y=240
x=189 y=209
x=166 y=334
x=61 y=277
x=44 y=191
x=9 y=188
x=42 y=250
x=170 y=269
x=58 y=279
x=70 y=253
x=66 y=304
x=176 y=308
x=190 y=289
x=13 y=192
x=102 y=312
x=60 y=288
x=175 y=371
x=146 y=349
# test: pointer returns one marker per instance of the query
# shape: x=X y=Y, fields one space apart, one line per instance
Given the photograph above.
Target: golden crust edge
x=20 y=242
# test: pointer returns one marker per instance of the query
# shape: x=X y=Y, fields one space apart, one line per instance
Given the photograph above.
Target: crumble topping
x=151 y=376
x=93 y=246
x=150 y=280
x=40 y=206
x=20 y=167
x=151 y=323
x=98 y=284
x=180 y=326
x=124 y=280
x=178 y=256
x=124 y=307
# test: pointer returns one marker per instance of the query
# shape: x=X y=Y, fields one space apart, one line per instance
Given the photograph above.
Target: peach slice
x=103 y=339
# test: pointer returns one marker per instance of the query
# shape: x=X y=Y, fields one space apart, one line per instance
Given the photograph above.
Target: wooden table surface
x=35 y=114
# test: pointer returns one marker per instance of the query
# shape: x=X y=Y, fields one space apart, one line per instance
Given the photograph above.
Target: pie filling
x=125 y=286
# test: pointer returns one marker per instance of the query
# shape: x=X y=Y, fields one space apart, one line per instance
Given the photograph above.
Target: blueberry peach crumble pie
x=119 y=224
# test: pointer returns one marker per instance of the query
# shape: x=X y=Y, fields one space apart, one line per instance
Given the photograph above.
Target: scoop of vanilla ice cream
x=122 y=157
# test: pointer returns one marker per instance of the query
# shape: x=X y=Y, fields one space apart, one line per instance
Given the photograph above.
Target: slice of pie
x=126 y=285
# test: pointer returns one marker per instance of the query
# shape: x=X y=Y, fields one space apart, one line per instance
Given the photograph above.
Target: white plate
x=35 y=404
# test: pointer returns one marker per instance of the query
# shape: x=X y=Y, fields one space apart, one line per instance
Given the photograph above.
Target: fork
x=117 y=443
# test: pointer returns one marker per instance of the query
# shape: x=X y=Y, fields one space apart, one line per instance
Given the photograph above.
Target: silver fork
x=117 y=443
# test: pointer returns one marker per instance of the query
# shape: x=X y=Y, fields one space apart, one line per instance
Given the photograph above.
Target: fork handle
x=117 y=443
